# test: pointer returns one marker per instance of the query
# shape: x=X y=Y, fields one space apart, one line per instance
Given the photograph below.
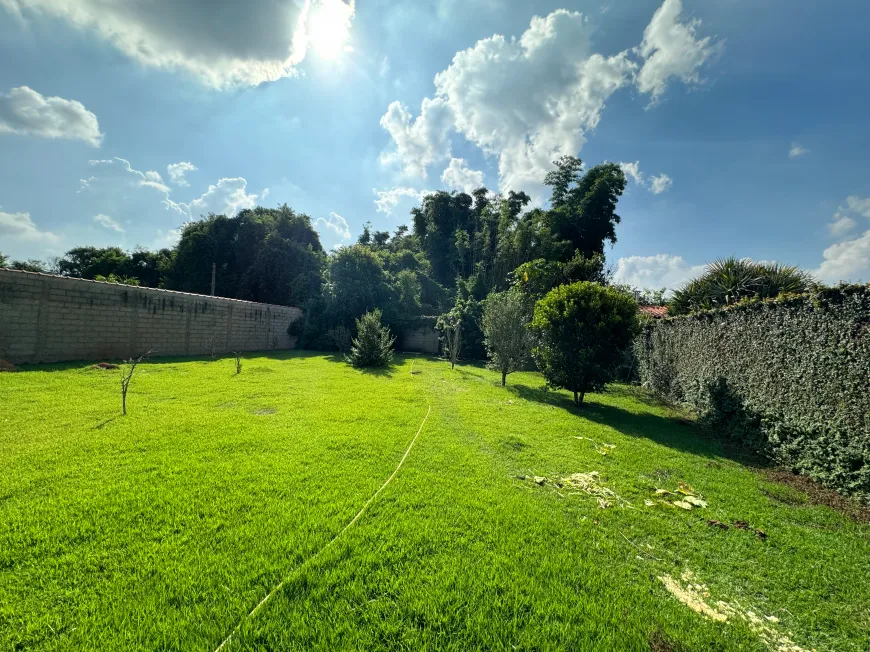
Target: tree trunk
x=124 y=402
x=578 y=398
x=503 y=378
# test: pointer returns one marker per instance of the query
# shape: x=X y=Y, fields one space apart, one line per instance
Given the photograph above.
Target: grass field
x=161 y=530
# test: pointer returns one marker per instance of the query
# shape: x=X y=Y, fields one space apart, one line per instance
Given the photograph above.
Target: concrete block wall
x=47 y=318
x=420 y=340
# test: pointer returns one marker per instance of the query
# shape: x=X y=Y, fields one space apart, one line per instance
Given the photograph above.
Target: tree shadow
x=674 y=432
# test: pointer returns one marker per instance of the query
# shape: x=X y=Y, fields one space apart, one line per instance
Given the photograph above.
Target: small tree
x=505 y=328
x=127 y=376
x=583 y=330
x=238 y=357
x=373 y=345
x=450 y=326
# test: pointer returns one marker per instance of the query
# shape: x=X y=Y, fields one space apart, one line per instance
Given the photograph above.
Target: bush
x=583 y=331
x=373 y=345
x=787 y=378
x=340 y=338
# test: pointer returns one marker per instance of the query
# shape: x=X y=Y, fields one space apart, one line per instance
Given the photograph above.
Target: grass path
x=161 y=530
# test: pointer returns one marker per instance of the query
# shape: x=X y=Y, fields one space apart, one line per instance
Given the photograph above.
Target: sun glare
x=329 y=27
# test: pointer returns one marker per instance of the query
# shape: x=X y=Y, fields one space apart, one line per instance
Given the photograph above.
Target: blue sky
x=743 y=125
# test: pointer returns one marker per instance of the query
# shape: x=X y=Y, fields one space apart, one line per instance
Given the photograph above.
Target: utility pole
x=213 y=272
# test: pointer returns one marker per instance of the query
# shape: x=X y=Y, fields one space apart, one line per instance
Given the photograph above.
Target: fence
x=47 y=318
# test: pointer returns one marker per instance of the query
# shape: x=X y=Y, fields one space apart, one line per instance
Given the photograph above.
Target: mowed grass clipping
x=161 y=530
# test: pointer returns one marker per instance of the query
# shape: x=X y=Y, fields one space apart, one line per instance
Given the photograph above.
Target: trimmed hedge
x=789 y=378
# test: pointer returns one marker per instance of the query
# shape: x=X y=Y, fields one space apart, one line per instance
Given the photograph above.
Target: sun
x=329 y=27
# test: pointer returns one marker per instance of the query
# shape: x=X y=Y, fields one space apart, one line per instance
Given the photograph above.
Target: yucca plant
x=727 y=281
x=777 y=279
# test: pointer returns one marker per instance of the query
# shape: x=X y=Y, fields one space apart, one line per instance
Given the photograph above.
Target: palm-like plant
x=729 y=280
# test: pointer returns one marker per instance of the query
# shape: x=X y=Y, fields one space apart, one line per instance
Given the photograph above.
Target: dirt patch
x=815 y=494
x=261 y=412
x=105 y=366
x=7 y=366
x=659 y=642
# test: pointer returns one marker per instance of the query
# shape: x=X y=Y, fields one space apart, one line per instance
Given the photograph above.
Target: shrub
x=505 y=328
x=583 y=331
x=340 y=338
x=787 y=378
x=373 y=345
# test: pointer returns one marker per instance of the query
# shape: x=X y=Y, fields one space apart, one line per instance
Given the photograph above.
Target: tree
x=506 y=335
x=358 y=283
x=584 y=207
x=727 y=281
x=373 y=345
x=583 y=330
x=450 y=326
x=3 y=259
x=31 y=265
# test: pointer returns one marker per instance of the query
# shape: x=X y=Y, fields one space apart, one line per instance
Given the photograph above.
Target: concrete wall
x=420 y=340
x=51 y=319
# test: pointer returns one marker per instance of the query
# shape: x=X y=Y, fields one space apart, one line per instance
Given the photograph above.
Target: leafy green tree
x=584 y=207
x=31 y=265
x=90 y=262
x=505 y=328
x=582 y=332
x=262 y=254
x=373 y=344
x=727 y=281
x=537 y=277
x=358 y=283
x=3 y=259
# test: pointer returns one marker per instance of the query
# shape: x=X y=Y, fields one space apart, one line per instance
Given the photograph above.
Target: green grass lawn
x=161 y=530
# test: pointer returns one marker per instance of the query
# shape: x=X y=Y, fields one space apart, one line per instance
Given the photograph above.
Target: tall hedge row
x=788 y=377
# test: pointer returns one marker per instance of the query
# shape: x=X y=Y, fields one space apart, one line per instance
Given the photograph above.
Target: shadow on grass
x=674 y=432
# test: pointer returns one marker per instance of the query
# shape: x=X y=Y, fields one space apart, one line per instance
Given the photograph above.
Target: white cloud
x=388 y=200
x=116 y=188
x=531 y=99
x=846 y=261
x=842 y=222
x=107 y=222
x=335 y=223
x=24 y=111
x=227 y=197
x=178 y=170
x=858 y=205
x=20 y=226
x=421 y=141
x=655 y=272
x=656 y=184
x=660 y=184
x=222 y=43
x=841 y=225
x=671 y=49
x=117 y=173
x=632 y=171
x=797 y=150
x=458 y=176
